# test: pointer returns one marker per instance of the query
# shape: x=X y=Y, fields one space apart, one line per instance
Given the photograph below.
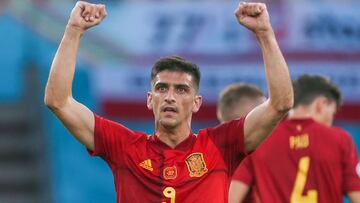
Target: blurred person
x=237 y=100
x=174 y=164
x=304 y=160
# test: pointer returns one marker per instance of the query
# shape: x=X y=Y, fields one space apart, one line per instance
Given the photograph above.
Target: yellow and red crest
x=196 y=164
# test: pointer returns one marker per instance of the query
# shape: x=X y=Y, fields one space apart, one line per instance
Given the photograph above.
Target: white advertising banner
x=211 y=27
x=132 y=83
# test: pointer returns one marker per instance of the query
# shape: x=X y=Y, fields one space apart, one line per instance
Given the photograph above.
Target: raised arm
x=78 y=119
x=260 y=121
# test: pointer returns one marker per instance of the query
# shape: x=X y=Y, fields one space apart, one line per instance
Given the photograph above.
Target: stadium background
x=41 y=162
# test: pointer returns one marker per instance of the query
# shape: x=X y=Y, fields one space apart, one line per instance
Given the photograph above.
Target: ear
x=149 y=100
x=320 y=104
x=197 y=103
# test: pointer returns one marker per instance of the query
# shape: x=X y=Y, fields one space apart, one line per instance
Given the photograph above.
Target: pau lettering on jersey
x=299 y=141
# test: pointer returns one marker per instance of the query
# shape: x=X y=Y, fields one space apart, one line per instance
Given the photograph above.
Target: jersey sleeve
x=244 y=173
x=229 y=139
x=350 y=164
x=110 y=139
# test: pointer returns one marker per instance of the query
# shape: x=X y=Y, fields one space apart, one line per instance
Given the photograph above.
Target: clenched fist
x=253 y=16
x=85 y=15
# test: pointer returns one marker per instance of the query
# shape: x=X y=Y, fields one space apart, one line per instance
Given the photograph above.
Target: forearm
x=238 y=191
x=276 y=71
x=59 y=86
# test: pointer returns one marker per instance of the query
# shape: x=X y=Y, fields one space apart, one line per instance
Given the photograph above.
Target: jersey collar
x=182 y=146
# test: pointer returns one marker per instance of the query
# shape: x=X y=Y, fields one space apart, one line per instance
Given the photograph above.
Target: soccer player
x=173 y=164
x=237 y=100
x=305 y=160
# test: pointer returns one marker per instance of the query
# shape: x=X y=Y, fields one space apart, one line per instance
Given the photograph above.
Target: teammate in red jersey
x=237 y=100
x=172 y=165
x=305 y=160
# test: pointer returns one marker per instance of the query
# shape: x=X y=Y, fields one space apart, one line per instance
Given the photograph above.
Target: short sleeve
x=245 y=173
x=351 y=165
x=111 y=138
x=229 y=139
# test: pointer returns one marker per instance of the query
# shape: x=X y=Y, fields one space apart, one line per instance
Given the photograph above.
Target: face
x=241 y=108
x=173 y=99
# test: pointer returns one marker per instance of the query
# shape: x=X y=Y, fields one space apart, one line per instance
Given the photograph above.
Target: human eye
x=161 y=87
x=182 y=89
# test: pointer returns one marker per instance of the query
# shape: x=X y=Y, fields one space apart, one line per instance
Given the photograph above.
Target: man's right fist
x=85 y=15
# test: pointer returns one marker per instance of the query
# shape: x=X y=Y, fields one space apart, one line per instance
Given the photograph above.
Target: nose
x=170 y=98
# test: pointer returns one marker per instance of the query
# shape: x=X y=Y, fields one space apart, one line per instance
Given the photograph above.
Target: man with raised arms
x=174 y=164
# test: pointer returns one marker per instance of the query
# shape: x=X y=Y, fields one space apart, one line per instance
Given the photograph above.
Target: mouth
x=169 y=109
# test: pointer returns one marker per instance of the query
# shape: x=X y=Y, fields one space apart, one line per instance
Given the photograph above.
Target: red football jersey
x=146 y=170
x=302 y=162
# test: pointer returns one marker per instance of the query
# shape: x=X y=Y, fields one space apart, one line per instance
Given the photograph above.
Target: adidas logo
x=146 y=164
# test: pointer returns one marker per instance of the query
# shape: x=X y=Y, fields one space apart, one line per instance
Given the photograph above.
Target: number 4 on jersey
x=300 y=181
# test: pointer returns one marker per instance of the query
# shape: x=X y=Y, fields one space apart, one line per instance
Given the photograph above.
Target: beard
x=169 y=123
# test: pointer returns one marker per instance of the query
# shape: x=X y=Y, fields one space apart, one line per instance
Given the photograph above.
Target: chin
x=168 y=123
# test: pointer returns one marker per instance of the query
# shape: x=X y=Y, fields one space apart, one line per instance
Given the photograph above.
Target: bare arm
x=238 y=191
x=354 y=196
x=261 y=121
x=78 y=119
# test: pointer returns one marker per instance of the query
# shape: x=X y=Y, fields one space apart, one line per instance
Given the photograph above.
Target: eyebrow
x=163 y=84
x=185 y=86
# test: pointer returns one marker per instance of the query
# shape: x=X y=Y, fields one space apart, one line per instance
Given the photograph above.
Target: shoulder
x=339 y=131
x=336 y=132
x=329 y=130
x=338 y=135
x=226 y=127
x=343 y=136
x=104 y=125
x=228 y=136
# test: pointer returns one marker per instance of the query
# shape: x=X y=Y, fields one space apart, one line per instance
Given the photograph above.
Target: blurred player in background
x=305 y=160
x=172 y=165
x=237 y=100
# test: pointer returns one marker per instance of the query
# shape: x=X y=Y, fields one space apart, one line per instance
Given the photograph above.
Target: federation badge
x=170 y=173
x=196 y=164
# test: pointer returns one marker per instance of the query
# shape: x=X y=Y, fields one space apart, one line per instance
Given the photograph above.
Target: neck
x=301 y=112
x=172 y=137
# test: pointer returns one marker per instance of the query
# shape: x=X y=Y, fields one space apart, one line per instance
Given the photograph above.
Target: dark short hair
x=308 y=87
x=177 y=63
x=233 y=93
